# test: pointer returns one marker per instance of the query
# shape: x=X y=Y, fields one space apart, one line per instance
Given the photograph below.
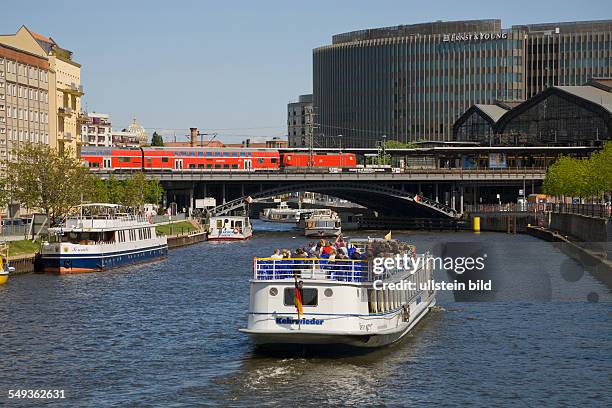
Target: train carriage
x=207 y=159
x=210 y=159
x=112 y=158
x=330 y=160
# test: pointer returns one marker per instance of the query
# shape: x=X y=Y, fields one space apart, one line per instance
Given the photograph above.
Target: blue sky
x=231 y=66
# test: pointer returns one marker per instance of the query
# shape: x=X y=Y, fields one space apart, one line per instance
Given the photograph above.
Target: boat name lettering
x=291 y=320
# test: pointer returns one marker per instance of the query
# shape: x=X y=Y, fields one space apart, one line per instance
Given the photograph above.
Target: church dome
x=138 y=131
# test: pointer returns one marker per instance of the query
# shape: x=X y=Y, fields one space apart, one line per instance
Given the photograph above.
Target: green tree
x=602 y=170
x=157 y=140
x=45 y=178
x=153 y=192
x=3 y=193
x=578 y=177
x=396 y=144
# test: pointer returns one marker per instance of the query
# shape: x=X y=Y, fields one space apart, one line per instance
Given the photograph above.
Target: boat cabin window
x=86 y=237
x=310 y=297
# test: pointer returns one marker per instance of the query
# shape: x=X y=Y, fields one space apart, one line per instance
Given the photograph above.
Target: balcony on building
x=64 y=112
x=73 y=89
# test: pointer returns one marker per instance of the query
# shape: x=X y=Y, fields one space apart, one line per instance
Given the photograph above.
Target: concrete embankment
x=22 y=263
x=585 y=228
x=187 y=239
x=594 y=256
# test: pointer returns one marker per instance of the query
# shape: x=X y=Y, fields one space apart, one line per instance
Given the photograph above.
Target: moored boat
x=100 y=237
x=229 y=228
x=342 y=302
x=322 y=223
x=282 y=213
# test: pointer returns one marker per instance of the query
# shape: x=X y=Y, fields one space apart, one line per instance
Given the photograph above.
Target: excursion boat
x=343 y=302
x=101 y=237
x=322 y=223
x=229 y=228
x=282 y=213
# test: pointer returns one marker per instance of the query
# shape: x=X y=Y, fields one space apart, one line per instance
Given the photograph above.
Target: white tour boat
x=322 y=223
x=282 y=213
x=100 y=238
x=229 y=228
x=343 y=302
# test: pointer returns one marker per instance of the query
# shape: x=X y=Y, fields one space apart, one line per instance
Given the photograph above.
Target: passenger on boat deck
x=340 y=242
x=316 y=252
x=299 y=253
x=357 y=255
x=332 y=254
x=341 y=255
x=327 y=249
x=286 y=254
x=277 y=254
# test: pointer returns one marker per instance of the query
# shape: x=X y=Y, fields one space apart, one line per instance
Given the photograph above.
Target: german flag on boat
x=298 y=298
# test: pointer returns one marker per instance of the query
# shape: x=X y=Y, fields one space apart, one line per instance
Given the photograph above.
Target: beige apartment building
x=45 y=93
x=24 y=94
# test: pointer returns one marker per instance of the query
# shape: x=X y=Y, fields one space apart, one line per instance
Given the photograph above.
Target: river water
x=166 y=333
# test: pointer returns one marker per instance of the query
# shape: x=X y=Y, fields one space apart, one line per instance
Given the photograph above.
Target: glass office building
x=411 y=82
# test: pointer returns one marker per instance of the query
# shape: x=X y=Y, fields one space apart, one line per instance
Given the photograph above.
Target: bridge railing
x=591 y=210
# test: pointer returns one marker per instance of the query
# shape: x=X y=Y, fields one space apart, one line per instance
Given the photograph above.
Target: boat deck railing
x=104 y=221
x=343 y=270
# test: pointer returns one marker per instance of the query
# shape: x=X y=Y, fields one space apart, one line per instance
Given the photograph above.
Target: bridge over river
x=414 y=192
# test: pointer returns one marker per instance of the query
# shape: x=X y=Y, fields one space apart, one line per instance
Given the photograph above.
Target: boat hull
x=322 y=232
x=298 y=338
x=280 y=220
x=95 y=262
x=230 y=238
x=3 y=278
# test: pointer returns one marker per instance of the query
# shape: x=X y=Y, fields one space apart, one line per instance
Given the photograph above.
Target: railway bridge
x=415 y=192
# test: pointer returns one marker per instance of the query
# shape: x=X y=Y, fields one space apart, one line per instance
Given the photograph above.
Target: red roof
x=42 y=38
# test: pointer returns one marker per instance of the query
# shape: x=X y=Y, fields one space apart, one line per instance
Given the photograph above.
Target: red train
x=207 y=159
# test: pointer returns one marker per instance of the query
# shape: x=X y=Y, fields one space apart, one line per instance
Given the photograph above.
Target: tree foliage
x=157 y=140
x=133 y=192
x=45 y=178
x=396 y=144
x=3 y=193
x=581 y=177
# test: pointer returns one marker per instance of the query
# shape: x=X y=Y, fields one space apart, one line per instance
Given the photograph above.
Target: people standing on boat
x=340 y=242
x=356 y=255
x=277 y=254
x=327 y=248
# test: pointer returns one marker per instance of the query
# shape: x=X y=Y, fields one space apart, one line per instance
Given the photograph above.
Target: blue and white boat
x=344 y=302
x=101 y=237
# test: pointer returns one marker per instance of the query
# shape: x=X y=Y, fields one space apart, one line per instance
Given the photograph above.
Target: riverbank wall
x=593 y=256
x=582 y=227
x=187 y=239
